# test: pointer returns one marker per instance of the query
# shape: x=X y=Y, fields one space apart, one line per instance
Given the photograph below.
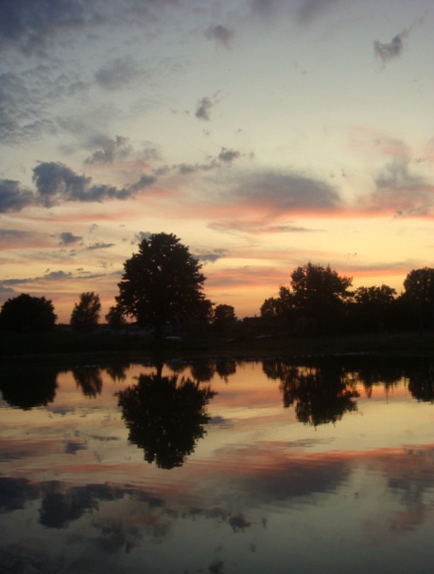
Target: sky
x=263 y=133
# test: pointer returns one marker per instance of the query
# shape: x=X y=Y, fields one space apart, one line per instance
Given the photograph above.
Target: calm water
x=218 y=467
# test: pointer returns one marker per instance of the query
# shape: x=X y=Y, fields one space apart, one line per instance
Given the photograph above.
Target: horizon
x=264 y=134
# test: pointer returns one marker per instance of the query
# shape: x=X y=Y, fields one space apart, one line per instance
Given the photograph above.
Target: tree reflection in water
x=29 y=386
x=89 y=379
x=165 y=417
x=321 y=393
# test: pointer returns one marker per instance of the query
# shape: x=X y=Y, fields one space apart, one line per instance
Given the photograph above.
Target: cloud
x=67 y=238
x=13 y=197
x=220 y=34
x=284 y=192
x=116 y=74
x=31 y=25
x=309 y=10
x=56 y=276
x=203 y=109
x=400 y=191
x=256 y=227
x=99 y=245
x=56 y=182
x=113 y=150
x=204 y=106
x=228 y=155
x=212 y=256
x=393 y=49
x=48 y=276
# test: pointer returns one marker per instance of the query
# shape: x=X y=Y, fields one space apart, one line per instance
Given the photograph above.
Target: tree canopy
x=315 y=297
x=163 y=284
x=27 y=313
x=86 y=312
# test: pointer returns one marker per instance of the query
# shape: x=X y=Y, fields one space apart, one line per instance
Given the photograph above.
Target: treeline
x=320 y=301
x=161 y=292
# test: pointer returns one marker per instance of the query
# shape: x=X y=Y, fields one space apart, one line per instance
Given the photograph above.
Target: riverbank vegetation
x=162 y=306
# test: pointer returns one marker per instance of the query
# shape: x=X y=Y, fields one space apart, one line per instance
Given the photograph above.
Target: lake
x=221 y=467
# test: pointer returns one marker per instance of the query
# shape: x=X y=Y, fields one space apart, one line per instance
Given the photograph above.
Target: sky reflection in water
x=218 y=467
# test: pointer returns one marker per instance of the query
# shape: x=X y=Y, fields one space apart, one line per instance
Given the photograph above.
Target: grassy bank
x=17 y=346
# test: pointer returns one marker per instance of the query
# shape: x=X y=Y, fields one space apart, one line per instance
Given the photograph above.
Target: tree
x=224 y=317
x=85 y=315
x=419 y=293
x=27 y=313
x=374 y=307
x=314 y=301
x=163 y=284
x=115 y=318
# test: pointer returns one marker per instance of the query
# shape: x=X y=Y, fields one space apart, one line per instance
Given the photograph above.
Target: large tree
x=162 y=284
x=86 y=312
x=27 y=313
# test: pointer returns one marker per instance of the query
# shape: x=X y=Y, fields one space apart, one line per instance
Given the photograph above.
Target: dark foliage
x=85 y=315
x=162 y=284
x=29 y=386
x=165 y=417
x=27 y=313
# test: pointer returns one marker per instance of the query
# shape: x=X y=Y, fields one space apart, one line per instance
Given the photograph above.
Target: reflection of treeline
x=323 y=390
x=320 y=389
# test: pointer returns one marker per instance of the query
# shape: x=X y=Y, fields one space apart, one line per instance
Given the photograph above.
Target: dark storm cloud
x=393 y=49
x=116 y=74
x=220 y=34
x=203 y=109
x=13 y=197
x=56 y=182
x=113 y=150
x=67 y=238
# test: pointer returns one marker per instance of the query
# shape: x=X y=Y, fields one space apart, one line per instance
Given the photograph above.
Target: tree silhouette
x=224 y=318
x=419 y=293
x=89 y=379
x=115 y=318
x=225 y=368
x=421 y=381
x=315 y=299
x=27 y=313
x=374 y=307
x=165 y=417
x=85 y=315
x=29 y=386
x=321 y=393
x=163 y=284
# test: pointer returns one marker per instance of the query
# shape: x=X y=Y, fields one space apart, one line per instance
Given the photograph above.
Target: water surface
x=218 y=466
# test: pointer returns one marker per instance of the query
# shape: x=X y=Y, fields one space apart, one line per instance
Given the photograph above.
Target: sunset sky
x=263 y=133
